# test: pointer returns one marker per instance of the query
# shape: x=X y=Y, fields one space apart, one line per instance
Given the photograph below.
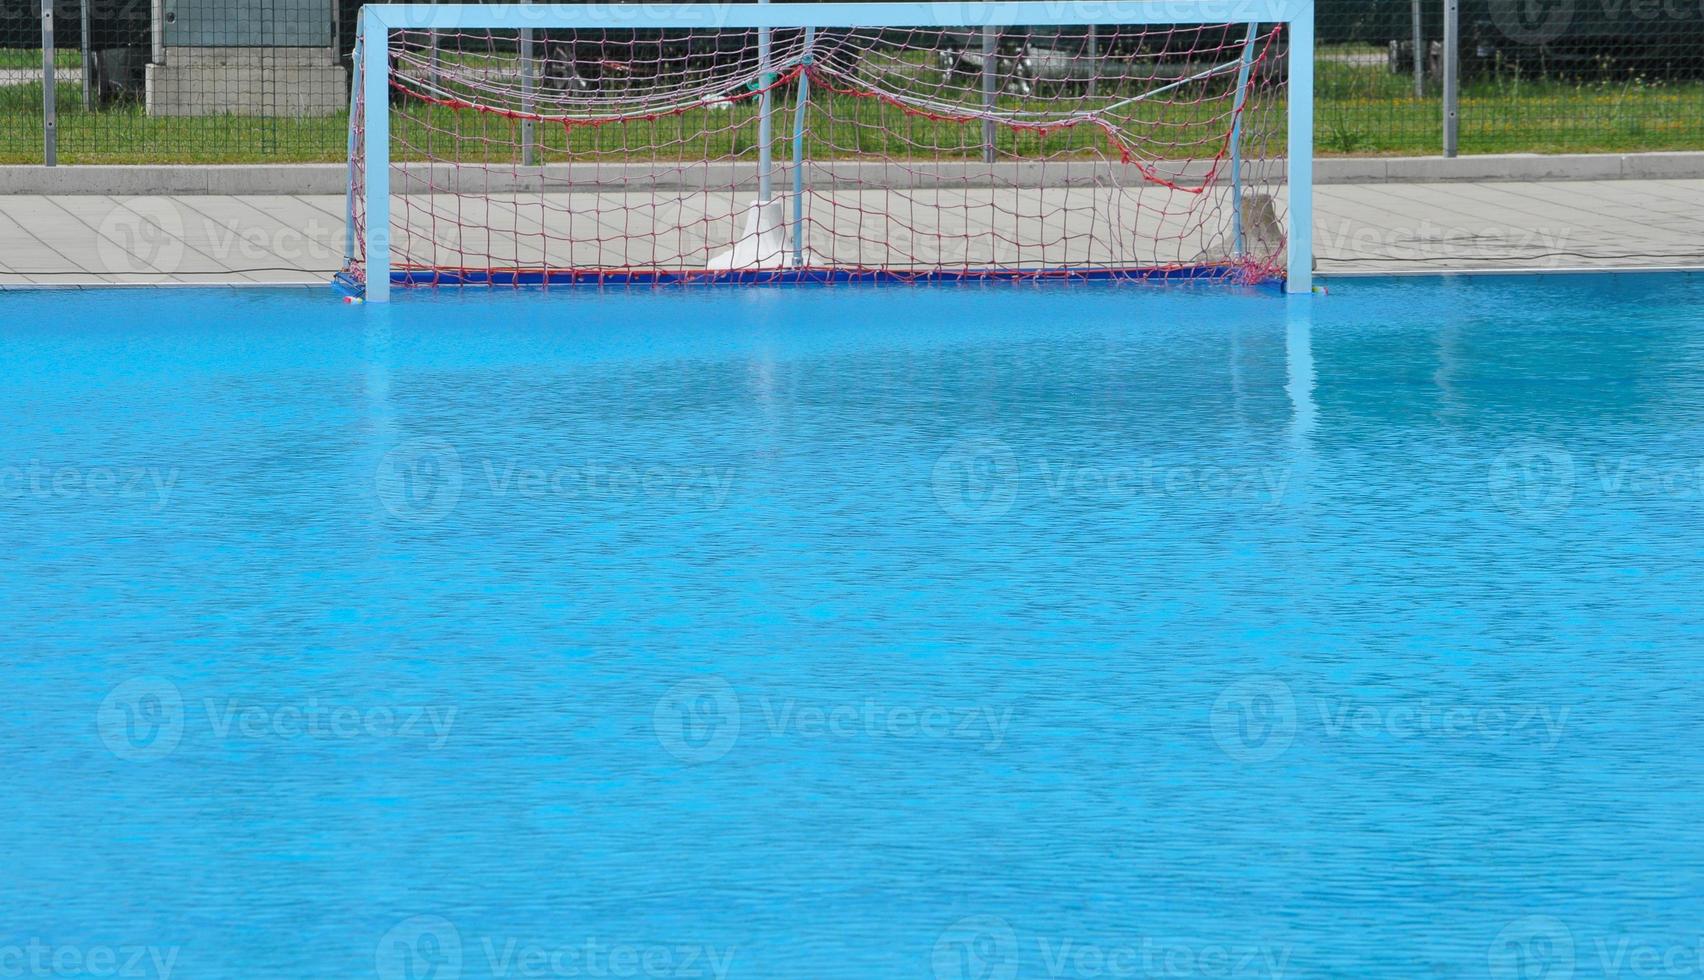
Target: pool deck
x=98 y=239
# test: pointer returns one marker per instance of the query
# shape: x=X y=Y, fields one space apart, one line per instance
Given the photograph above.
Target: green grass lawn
x=1361 y=110
x=31 y=58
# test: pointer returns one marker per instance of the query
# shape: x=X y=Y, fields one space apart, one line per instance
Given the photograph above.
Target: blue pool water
x=966 y=634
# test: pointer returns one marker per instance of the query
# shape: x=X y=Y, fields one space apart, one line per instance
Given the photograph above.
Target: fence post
x=1094 y=59
x=988 y=67
x=49 y=79
x=1419 y=50
x=529 y=133
x=1452 y=77
x=437 y=50
x=765 y=127
x=88 y=67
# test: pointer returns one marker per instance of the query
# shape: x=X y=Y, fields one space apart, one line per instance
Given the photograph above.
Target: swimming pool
x=959 y=633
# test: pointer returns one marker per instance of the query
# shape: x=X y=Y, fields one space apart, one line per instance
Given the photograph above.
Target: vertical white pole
x=49 y=81
x=1419 y=50
x=990 y=58
x=1452 y=76
x=1299 y=276
x=88 y=59
x=529 y=136
x=437 y=50
x=765 y=119
x=375 y=43
x=1094 y=59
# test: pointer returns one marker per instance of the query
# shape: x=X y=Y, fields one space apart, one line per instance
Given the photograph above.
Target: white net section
x=830 y=154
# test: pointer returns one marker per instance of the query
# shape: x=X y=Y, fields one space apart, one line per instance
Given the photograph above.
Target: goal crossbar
x=375 y=77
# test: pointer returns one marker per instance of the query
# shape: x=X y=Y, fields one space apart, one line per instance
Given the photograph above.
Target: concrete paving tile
x=271 y=238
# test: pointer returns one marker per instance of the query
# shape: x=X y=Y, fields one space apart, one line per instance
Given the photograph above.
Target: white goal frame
x=377 y=20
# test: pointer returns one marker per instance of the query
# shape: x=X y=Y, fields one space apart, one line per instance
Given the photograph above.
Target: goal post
x=541 y=143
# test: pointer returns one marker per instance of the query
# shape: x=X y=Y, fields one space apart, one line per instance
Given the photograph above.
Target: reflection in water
x=1299 y=367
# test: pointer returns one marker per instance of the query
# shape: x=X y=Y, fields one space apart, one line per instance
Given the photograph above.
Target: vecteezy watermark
x=419 y=947
x=981 y=478
x=145 y=718
x=1537 y=947
x=1539 y=481
x=35 y=958
x=423 y=480
x=1256 y=719
x=151 y=235
x=986 y=947
x=141 y=719
x=699 y=720
x=976 y=479
x=431 y=946
x=420 y=480
x=1429 y=718
x=1538 y=22
x=1543 y=947
x=40 y=481
x=1429 y=240
x=1532 y=480
x=977 y=947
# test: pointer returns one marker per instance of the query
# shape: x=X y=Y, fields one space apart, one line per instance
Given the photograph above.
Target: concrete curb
x=330 y=178
x=1511 y=167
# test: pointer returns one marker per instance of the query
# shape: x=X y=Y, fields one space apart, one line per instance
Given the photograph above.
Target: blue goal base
x=803 y=276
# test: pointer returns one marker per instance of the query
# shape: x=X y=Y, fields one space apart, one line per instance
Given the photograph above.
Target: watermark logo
x=1254 y=719
x=423 y=480
x=420 y=480
x=1542 y=947
x=1537 y=947
x=430 y=947
x=149 y=236
x=39 y=481
x=1428 y=240
x=1257 y=718
x=142 y=235
x=142 y=719
x=1534 y=481
x=980 y=479
x=977 y=947
x=985 y=947
x=1429 y=718
x=425 y=947
x=976 y=479
x=145 y=718
x=698 y=720
x=39 y=959
x=1532 y=21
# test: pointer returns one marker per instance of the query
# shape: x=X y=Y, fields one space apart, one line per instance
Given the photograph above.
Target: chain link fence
x=267 y=81
x=1536 y=76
